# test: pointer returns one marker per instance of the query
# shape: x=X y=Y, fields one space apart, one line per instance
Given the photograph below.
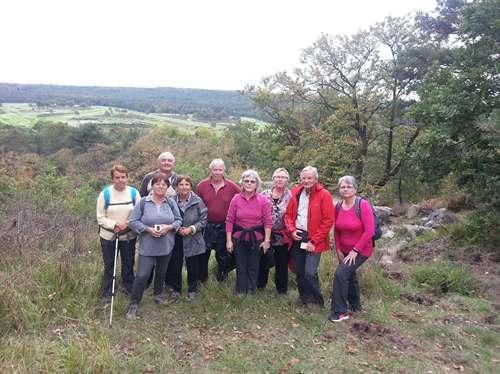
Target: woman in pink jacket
x=353 y=230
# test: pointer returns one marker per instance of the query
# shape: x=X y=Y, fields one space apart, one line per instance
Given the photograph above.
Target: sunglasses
x=250 y=181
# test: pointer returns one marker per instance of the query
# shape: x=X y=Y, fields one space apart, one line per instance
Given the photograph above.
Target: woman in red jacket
x=309 y=219
x=353 y=242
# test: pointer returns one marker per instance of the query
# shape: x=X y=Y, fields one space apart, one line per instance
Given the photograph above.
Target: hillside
x=207 y=105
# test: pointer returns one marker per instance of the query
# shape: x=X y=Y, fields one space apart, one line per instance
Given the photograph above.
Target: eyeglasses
x=250 y=181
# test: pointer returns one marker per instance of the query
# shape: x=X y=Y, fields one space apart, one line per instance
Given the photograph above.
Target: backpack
x=107 y=197
x=377 y=232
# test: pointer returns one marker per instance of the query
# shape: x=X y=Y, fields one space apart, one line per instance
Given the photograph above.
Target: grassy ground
x=52 y=321
x=25 y=115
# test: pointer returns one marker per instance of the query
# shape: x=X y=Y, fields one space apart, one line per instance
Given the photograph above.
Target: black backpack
x=377 y=233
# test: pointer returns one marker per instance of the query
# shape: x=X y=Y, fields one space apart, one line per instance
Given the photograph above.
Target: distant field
x=28 y=115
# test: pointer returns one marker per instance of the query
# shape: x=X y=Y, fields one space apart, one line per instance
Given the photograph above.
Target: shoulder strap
x=133 y=195
x=107 y=197
x=142 y=203
x=357 y=206
x=337 y=207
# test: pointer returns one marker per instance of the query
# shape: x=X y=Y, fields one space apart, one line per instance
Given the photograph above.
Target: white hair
x=217 y=162
x=281 y=170
x=310 y=169
x=166 y=155
x=349 y=179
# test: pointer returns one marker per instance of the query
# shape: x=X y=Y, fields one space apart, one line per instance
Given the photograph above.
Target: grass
x=24 y=115
x=52 y=321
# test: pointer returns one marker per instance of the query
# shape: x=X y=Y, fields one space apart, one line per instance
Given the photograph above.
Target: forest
x=409 y=106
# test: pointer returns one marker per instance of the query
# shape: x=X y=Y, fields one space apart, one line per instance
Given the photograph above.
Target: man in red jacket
x=309 y=218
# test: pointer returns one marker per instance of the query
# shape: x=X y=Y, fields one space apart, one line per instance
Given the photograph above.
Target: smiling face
x=166 y=164
x=183 y=188
x=249 y=185
x=120 y=180
x=308 y=180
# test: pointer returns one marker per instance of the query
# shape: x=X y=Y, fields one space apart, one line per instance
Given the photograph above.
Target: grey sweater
x=166 y=214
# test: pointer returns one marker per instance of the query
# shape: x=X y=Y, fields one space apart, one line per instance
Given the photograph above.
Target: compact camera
x=158 y=228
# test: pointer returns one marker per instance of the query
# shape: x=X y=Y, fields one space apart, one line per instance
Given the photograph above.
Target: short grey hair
x=166 y=155
x=281 y=170
x=310 y=169
x=252 y=174
x=215 y=162
x=349 y=179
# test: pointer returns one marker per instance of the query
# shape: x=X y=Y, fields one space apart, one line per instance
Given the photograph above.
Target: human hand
x=310 y=247
x=185 y=231
x=151 y=231
x=120 y=226
x=265 y=245
x=229 y=246
x=296 y=236
x=350 y=258
x=165 y=229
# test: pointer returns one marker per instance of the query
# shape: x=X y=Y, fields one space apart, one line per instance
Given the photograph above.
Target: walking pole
x=113 y=286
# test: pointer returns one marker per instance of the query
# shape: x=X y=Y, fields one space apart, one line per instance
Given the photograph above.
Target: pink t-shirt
x=351 y=232
x=255 y=211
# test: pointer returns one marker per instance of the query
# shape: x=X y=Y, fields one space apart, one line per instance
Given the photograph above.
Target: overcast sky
x=217 y=44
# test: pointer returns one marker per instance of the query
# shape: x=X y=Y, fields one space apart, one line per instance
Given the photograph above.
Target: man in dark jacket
x=166 y=163
x=309 y=218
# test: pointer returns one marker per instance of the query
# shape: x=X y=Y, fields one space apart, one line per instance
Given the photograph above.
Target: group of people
x=250 y=231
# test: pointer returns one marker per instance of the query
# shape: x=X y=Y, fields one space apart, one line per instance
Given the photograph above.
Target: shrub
x=444 y=278
x=481 y=228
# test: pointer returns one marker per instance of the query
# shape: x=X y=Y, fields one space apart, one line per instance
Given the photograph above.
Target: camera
x=158 y=228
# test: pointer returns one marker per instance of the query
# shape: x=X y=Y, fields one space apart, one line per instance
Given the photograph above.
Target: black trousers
x=126 y=250
x=215 y=238
x=306 y=271
x=174 y=271
x=345 y=287
x=247 y=267
x=281 y=257
x=146 y=264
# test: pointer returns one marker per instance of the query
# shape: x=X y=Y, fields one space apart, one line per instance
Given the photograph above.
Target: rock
x=399 y=209
x=440 y=217
x=383 y=212
x=413 y=211
x=416 y=230
x=389 y=234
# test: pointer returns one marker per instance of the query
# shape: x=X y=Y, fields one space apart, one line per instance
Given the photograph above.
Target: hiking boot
x=338 y=317
x=192 y=296
x=132 y=311
x=159 y=299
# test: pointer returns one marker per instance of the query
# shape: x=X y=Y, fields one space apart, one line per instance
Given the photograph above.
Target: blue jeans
x=126 y=250
x=346 y=288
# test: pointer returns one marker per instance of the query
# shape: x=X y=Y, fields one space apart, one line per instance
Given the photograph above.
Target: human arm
x=102 y=220
x=327 y=213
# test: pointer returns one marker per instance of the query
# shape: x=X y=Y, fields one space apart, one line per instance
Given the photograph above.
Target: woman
x=248 y=224
x=156 y=219
x=279 y=196
x=189 y=238
x=353 y=242
x=114 y=206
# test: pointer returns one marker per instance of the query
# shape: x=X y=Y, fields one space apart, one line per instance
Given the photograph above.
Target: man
x=114 y=205
x=216 y=192
x=309 y=218
x=166 y=163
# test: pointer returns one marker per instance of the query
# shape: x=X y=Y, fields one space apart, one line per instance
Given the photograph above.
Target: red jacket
x=320 y=217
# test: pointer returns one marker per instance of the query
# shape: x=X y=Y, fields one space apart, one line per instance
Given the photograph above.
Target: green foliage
x=481 y=228
x=444 y=278
x=375 y=284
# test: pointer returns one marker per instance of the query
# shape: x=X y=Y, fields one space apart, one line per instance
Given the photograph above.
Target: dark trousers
x=174 y=271
x=345 y=287
x=280 y=269
x=126 y=249
x=215 y=237
x=173 y=278
x=247 y=267
x=306 y=270
x=146 y=264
